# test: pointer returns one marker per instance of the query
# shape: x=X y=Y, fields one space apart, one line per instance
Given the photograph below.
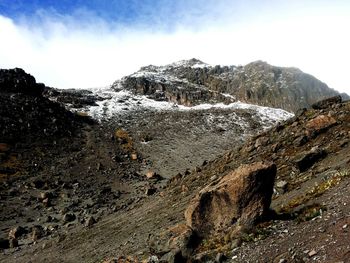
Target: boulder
x=242 y=196
x=320 y=123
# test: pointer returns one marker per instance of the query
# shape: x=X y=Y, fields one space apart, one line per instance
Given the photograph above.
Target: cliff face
x=193 y=82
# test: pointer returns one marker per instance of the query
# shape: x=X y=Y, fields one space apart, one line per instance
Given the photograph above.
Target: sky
x=92 y=43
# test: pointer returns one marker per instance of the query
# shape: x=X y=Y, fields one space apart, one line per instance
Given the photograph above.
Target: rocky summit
x=175 y=164
x=192 y=82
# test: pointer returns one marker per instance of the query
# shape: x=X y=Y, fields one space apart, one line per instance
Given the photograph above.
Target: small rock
x=213 y=178
x=152 y=259
x=16 y=232
x=46 y=202
x=312 y=253
x=48 y=219
x=345 y=226
x=37 y=233
x=38 y=183
x=4 y=243
x=13 y=242
x=151 y=174
x=198 y=169
x=90 y=221
x=282 y=260
x=236 y=243
x=69 y=217
x=150 y=191
x=282 y=185
x=133 y=156
x=220 y=258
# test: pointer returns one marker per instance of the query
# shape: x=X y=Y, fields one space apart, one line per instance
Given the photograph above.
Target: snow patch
x=120 y=102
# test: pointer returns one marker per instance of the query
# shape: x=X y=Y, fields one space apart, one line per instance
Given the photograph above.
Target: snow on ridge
x=153 y=70
x=121 y=102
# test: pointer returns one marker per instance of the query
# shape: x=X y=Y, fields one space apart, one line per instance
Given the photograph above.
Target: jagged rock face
x=193 y=82
x=242 y=196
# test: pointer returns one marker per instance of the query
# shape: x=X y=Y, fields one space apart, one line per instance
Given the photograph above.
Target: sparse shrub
x=316 y=191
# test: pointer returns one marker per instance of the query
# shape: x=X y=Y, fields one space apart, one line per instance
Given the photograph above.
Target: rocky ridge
x=192 y=82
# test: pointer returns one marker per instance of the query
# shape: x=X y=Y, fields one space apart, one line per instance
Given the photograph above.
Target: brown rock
x=320 y=123
x=243 y=195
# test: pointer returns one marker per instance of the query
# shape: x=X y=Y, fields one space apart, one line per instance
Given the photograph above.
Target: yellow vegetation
x=125 y=140
x=316 y=191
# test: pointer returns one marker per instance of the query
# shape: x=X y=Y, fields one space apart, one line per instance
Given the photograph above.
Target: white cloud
x=64 y=53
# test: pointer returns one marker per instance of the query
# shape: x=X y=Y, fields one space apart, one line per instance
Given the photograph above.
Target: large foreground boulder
x=243 y=196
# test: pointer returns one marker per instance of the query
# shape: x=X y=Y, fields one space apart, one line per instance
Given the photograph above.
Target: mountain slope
x=313 y=199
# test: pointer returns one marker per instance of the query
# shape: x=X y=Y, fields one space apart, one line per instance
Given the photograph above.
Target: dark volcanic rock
x=17 y=81
x=26 y=115
x=74 y=98
x=308 y=159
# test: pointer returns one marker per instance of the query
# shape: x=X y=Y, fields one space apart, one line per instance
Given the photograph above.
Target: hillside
x=102 y=175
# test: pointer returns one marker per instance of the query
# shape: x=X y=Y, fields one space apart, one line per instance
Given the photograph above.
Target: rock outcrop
x=193 y=82
x=25 y=114
x=243 y=196
x=17 y=81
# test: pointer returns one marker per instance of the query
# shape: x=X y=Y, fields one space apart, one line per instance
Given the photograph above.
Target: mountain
x=192 y=82
x=125 y=173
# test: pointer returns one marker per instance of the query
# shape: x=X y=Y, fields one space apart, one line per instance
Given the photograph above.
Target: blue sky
x=82 y=43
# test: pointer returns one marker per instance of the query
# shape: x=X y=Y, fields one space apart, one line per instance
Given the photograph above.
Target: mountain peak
x=193 y=62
